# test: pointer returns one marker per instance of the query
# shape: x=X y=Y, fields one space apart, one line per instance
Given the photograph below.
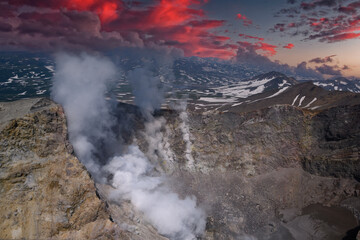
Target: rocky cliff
x=45 y=192
x=277 y=172
x=260 y=172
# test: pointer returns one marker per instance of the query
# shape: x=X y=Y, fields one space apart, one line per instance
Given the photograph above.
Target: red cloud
x=246 y=22
x=315 y=23
x=239 y=16
x=351 y=8
x=266 y=47
x=343 y=36
x=348 y=10
x=332 y=28
x=291 y=25
x=178 y=23
x=251 y=37
x=175 y=12
x=289 y=46
x=107 y=10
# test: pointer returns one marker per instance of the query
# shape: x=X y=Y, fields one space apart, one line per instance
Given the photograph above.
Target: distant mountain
x=339 y=84
x=276 y=88
x=304 y=95
x=208 y=72
x=204 y=73
x=259 y=84
x=24 y=75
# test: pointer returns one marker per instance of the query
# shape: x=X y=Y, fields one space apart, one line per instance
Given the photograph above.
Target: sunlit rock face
x=45 y=191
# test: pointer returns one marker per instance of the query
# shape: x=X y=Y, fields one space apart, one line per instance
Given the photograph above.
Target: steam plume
x=80 y=85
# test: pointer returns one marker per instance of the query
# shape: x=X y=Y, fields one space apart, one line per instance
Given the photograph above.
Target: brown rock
x=45 y=192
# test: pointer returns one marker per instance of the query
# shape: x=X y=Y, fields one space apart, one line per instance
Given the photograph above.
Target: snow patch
x=323 y=84
x=39 y=92
x=184 y=126
x=277 y=93
x=244 y=89
x=295 y=99
x=50 y=68
x=316 y=107
x=283 y=83
x=301 y=100
x=312 y=101
x=214 y=100
x=236 y=104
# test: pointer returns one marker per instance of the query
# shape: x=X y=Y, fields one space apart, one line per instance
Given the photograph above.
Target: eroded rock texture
x=279 y=172
x=45 y=192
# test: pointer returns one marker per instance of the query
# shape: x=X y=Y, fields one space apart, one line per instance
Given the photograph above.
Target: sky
x=322 y=36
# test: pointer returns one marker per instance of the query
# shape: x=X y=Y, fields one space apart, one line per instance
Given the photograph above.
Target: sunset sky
x=321 y=34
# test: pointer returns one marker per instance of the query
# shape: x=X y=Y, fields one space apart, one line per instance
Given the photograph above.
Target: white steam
x=80 y=85
x=181 y=106
x=172 y=216
x=184 y=126
x=159 y=149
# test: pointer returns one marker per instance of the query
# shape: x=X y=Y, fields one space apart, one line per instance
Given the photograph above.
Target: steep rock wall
x=45 y=192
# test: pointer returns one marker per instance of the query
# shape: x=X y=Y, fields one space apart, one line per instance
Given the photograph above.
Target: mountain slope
x=259 y=84
x=339 y=84
x=271 y=89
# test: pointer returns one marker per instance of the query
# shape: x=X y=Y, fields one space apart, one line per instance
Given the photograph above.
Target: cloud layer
x=323 y=20
x=107 y=24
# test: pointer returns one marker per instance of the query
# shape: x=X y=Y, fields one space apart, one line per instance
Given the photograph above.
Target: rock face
x=278 y=172
x=45 y=192
x=336 y=134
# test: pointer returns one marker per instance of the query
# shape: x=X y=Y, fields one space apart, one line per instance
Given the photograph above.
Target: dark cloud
x=280 y=27
x=305 y=72
x=341 y=37
x=325 y=26
x=109 y=23
x=5 y=27
x=60 y=30
x=345 y=67
x=289 y=46
x=318 y=3
x=328 y=59
x=267 y=48
x=329 y=70
x=247 y=55
x=307 y=6
x=290 y=12
x=347 y=10
x=350 y=8
x=251 y=37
